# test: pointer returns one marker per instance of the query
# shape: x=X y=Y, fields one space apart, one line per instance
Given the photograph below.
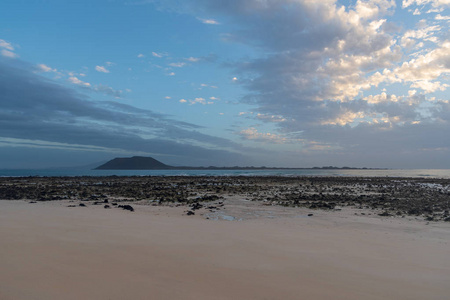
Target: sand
x=51 y=251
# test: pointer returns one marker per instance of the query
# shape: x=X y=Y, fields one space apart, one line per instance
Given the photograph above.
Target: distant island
x=149 y=163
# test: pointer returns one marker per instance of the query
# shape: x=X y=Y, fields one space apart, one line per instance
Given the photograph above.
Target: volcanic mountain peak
x=134 y=163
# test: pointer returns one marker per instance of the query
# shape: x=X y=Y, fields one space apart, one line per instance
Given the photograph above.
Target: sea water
x=415 y=173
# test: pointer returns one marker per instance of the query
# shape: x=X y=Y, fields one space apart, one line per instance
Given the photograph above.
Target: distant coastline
x=367 y=173
x=149 y=163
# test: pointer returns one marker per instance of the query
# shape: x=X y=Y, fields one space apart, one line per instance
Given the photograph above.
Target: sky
x=287 y=83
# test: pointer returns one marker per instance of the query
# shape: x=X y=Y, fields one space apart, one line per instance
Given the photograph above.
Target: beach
x=232 y=246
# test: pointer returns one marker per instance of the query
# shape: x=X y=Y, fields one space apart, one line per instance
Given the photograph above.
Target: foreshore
x=224 y=238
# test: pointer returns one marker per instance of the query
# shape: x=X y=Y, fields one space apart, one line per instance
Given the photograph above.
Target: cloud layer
x=350 y=78
x=39 y=110
x=321 y=82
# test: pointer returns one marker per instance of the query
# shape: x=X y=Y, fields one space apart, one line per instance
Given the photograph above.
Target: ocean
x=415 y=173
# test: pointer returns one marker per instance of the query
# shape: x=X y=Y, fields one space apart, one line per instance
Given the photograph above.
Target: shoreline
x=71 y=172
x=423 y=198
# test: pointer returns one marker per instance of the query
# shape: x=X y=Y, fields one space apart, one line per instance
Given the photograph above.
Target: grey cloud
x=108 y=91
x=279 y=25
x=36 y=108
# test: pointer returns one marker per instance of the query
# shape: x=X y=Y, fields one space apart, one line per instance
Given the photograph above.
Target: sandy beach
x=50 y=250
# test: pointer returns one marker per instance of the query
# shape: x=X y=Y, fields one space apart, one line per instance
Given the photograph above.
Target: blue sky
x=292 y=83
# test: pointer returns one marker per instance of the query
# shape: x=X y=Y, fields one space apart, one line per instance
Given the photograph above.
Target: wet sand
x=52 y=251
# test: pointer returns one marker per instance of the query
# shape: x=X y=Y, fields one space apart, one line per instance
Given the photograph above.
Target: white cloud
x=439 y=17
x=372 y=9
x=45 y=68
x=344 y=118
x=435 y=10
x=208 y=21
x=381 y=98
x=198 y=100
x=171 y=74
x=6 y=45
x=264 y=137
x=140 y=55
x=434 y=3
x=167 y=97
x=77 y=81
x=271 y=118
x=9 y=54
x=424 y=33
x=177 y=64
x=7 y=49
x=101 y=69
x=193 y=59
x=159 y=55
x=429 y=86
x=204 y=85
x=425 y=68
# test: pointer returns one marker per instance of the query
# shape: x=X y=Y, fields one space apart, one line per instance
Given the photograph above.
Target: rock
x=106 y=206
x=196 y=206
x=384 y=214
x=126 y=207
x=310 y=215
x=414 y=211
x=82 y=205
x=190 y=213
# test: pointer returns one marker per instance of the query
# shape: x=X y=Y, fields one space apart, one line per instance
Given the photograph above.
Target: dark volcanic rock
x=398 y=197
x=126 y=207
x=196 y=206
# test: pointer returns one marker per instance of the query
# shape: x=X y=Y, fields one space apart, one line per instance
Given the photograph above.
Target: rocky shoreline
x=423 y=198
